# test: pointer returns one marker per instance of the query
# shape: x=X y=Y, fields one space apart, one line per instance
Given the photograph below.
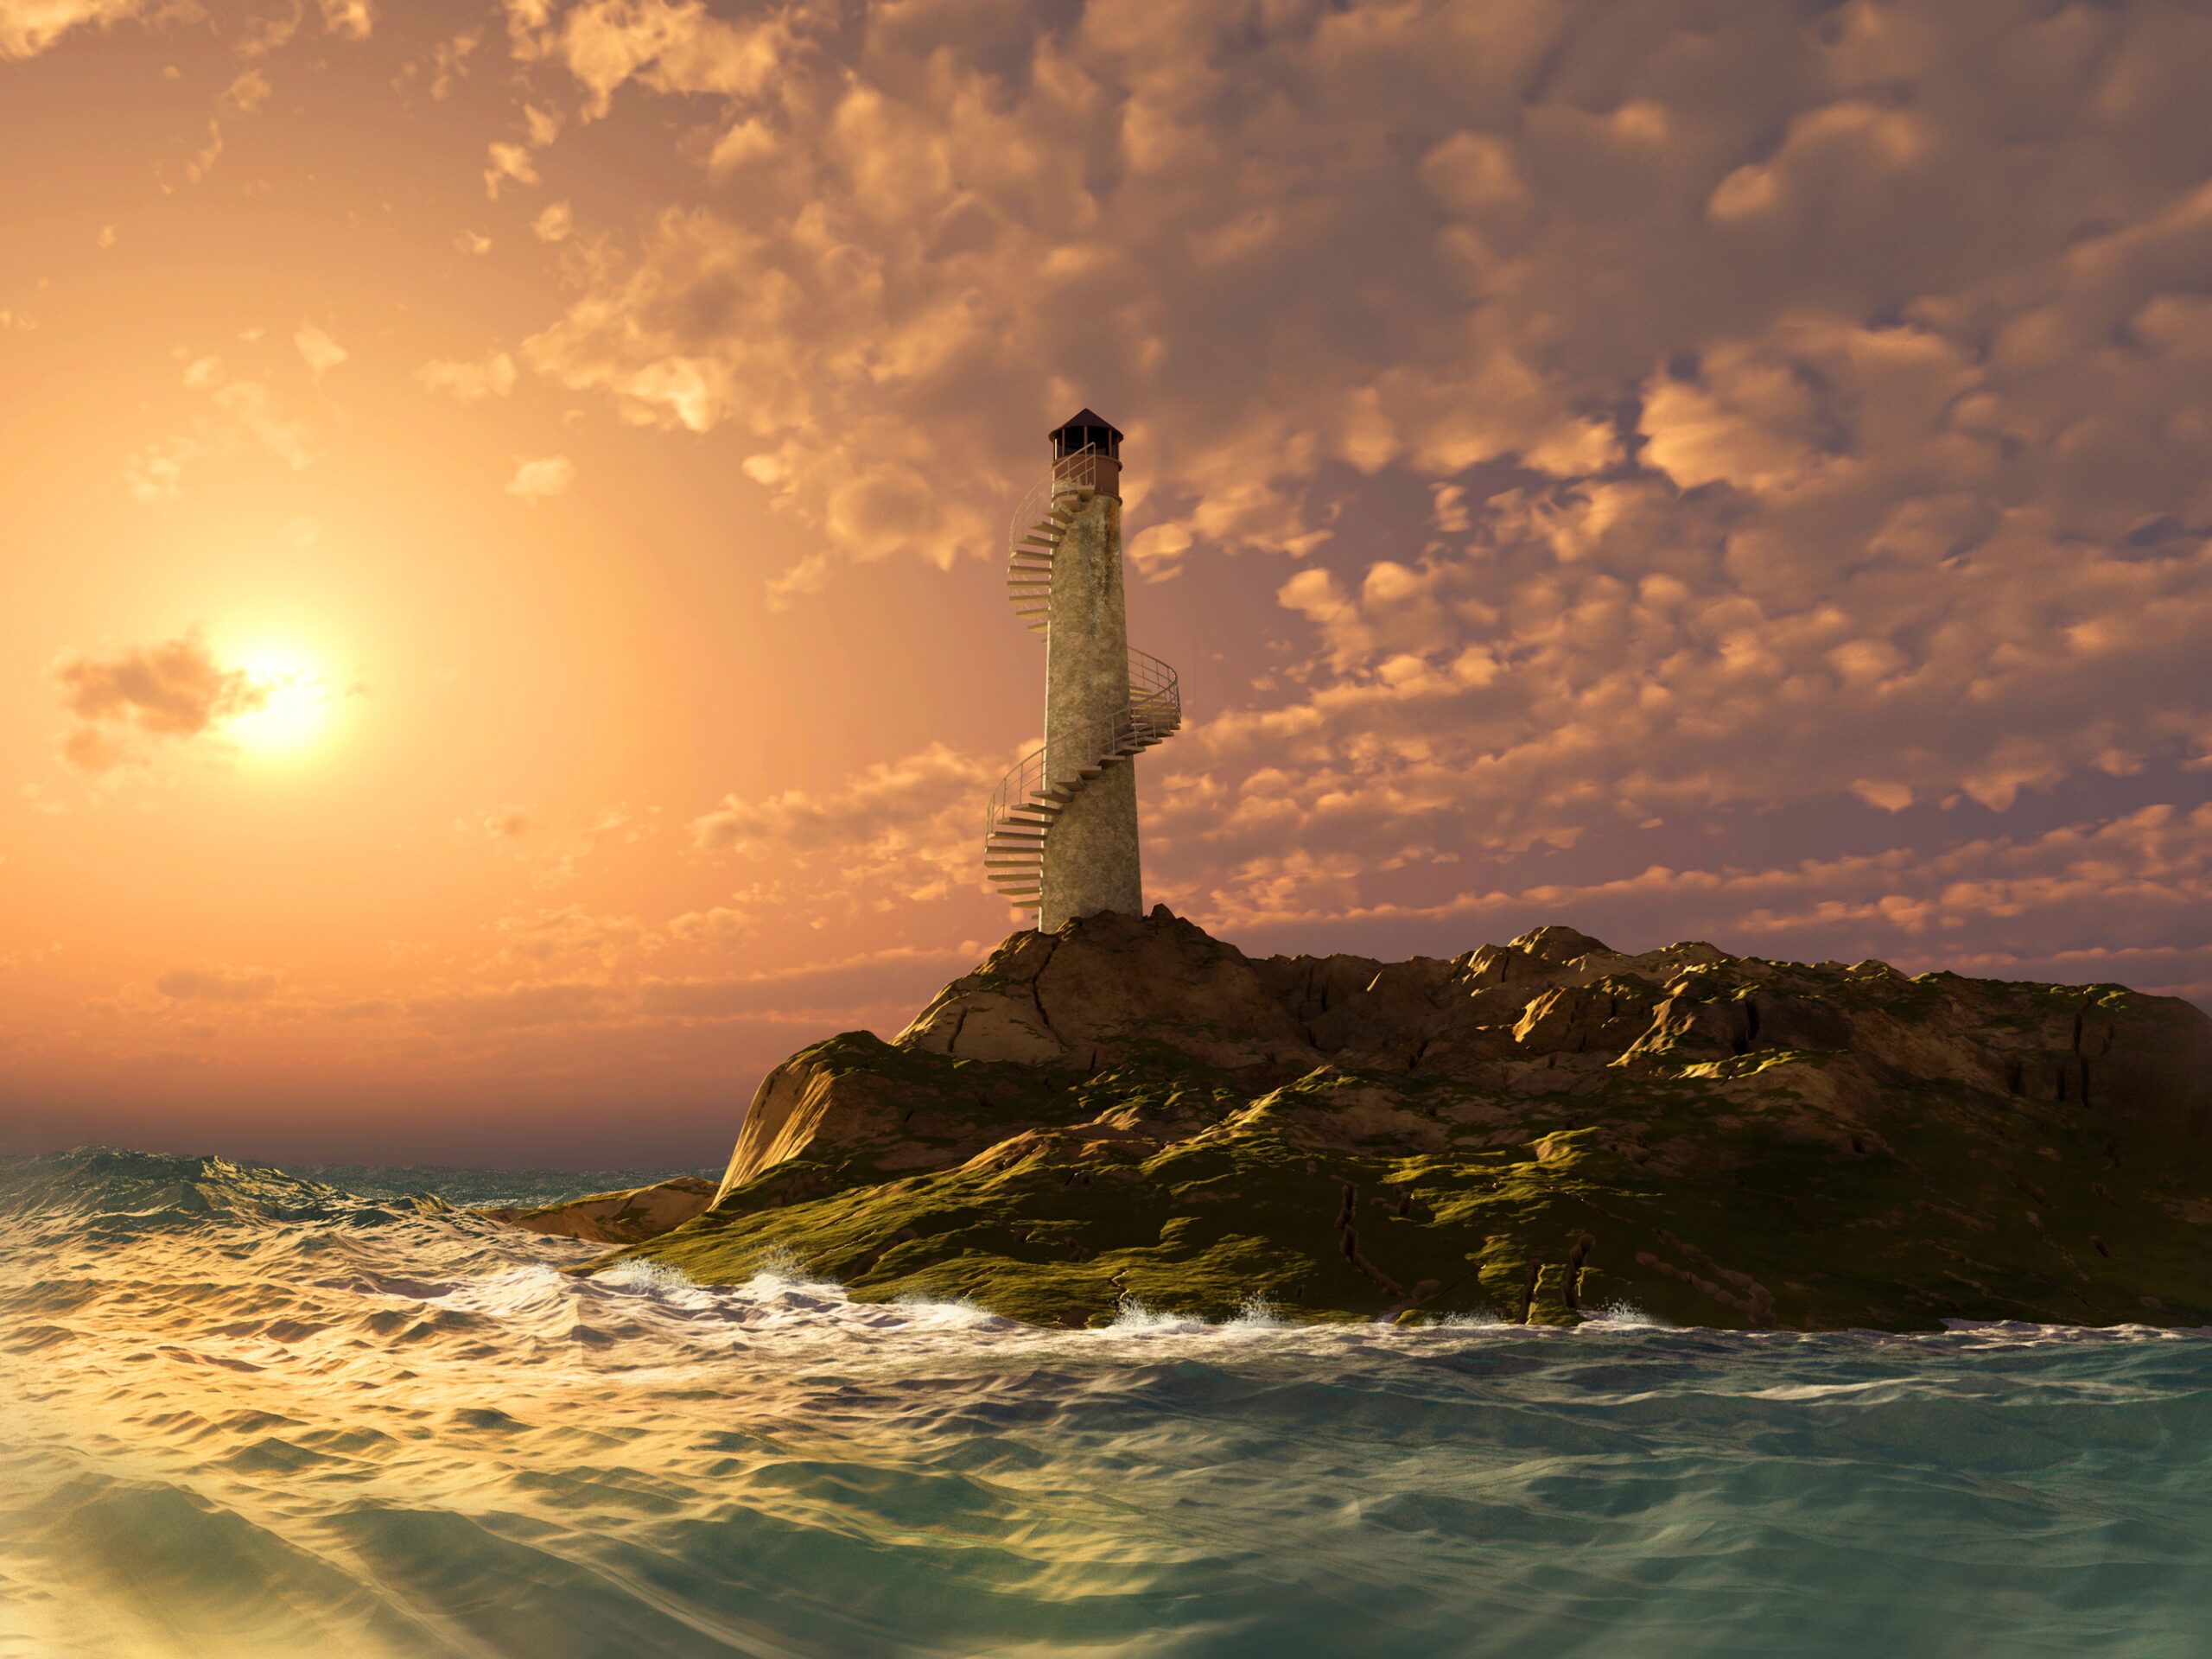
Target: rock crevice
x=1131 y=1104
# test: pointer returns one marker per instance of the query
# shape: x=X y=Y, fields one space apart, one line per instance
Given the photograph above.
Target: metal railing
x=1154 y=710
x=1035 y=506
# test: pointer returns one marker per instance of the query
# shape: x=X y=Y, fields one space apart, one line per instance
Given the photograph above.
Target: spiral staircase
x=1019 y=818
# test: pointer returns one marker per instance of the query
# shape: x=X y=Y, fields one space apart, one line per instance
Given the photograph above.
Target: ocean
x=245 y=1414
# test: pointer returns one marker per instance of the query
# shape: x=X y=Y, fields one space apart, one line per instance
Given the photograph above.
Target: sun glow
x=291 y=701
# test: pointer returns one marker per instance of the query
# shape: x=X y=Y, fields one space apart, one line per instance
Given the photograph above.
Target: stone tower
x=1061 y=831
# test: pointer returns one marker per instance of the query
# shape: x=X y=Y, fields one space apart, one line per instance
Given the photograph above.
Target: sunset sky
x=502 y=509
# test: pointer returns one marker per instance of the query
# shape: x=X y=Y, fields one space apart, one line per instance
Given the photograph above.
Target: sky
x=502 y=514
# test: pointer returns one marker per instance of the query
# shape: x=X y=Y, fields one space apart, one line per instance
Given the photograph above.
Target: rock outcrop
x=622 y=1218
x=1131 y=1109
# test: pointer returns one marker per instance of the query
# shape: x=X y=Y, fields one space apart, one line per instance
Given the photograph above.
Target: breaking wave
x=250 y=1413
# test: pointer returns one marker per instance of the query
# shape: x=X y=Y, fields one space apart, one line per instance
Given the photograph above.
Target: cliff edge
x=1130 y=1108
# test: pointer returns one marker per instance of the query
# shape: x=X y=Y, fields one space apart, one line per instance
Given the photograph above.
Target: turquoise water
x=250 y=1415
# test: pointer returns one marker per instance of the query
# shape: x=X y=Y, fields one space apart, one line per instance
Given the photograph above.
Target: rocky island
x=1127 y=1108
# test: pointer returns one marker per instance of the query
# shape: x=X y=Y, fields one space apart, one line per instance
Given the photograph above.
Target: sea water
x=241 y=1414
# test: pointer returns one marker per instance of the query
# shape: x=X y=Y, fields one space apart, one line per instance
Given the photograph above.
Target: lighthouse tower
x=1061 y=836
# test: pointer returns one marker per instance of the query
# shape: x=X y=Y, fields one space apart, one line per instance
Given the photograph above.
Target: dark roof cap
x=1084 y=417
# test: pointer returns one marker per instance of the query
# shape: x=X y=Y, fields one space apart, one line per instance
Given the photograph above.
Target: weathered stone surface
x=1130 y=1108
x=622 y=1218
x=1092 y=858
x=1105 y=982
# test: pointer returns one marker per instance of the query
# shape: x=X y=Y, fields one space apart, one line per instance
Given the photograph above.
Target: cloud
x=895 y=978
x=719 y=924
x=895 y=280
x=246 y=94
x=471 y=382
x=570 y=930
x=907 y=826
x=537 y=480
x=505 y=161
x=28 y=27
x=554 y=222
x=488 y=1010
x=885 y=984
x=238 y=417
x=175 y=689
x=317 y=349
x=351 y=20
x=500 y=823
x=553 y=856
x=668 y=47
x=1831 y=440
x=2011 y=906
x=218 y=984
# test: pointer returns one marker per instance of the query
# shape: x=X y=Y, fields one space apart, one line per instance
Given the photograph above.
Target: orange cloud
x=176 y=689
x=28 y=27
x=218 y=984
x=539 y=480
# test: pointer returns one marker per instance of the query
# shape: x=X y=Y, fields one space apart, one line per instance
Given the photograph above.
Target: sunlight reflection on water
x=282 y=1421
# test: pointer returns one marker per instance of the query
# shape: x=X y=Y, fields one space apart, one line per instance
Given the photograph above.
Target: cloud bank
x=121 y=701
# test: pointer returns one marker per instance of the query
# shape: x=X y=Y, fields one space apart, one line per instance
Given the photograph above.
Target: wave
x=253 y=1414
x=115 y=1190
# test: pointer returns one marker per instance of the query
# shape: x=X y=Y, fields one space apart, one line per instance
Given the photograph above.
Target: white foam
x=957 y=1312
x=779 y=1270
x=1627 y=1314
x=652 y=1278
x=1133 y=1317
x=1257 y=1313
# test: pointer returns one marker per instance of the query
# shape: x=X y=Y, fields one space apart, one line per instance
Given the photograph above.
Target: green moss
x=1804 y=1188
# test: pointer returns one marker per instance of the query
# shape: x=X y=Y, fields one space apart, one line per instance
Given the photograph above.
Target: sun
x=288 y=702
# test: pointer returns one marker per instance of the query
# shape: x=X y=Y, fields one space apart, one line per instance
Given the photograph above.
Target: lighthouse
x=1060 y=834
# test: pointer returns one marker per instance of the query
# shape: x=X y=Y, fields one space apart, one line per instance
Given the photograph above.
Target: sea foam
x=260 y=1419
